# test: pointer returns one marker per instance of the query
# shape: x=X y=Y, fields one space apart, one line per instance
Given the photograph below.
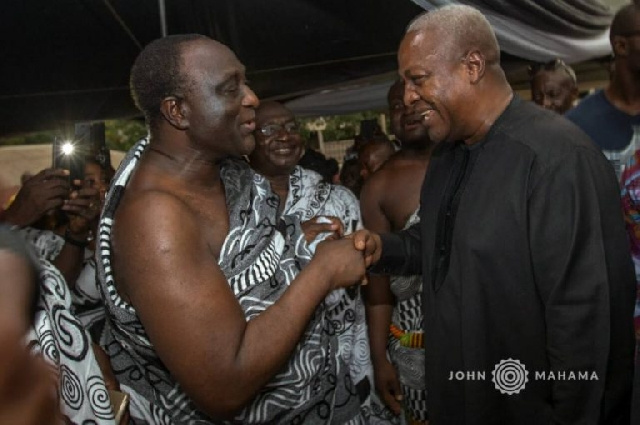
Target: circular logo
x=510 y=376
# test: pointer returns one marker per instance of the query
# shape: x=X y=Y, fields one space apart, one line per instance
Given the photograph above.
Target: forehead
x=418 y=48
x=210 y=58
x=92 y=168
x=551 y=78
x=273 y=112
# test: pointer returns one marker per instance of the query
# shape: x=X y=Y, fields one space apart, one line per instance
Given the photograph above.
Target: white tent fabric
x=517 y=38
x=520 y=39
x=343 y=100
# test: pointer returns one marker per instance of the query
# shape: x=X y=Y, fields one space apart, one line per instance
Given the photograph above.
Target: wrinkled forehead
x=211 y=58
x=273 y=112
x=418 y=48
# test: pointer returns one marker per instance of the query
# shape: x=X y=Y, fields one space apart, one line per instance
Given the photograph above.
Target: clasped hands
x=356 y=251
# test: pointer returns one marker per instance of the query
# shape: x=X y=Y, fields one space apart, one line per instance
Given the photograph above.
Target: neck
x=183 y=162
x=279 y=183
x=624 y=91
x=418 y=152
x=491 y=110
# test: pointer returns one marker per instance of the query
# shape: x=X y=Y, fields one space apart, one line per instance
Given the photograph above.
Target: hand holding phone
x=42 y=193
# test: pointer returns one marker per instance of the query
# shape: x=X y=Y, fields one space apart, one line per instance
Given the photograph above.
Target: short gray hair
x=461 y=28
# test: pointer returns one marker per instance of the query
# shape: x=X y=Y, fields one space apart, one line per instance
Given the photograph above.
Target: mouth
x=285 y=150
x=248 y=127
x=426 y=115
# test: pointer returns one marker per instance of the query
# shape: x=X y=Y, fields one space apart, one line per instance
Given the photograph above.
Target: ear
x=475 y=65
x=175 y=111
x=619 y=46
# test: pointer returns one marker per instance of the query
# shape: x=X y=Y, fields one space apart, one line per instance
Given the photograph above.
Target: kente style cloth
x=260 y=257
x=87 y=299
x=310 y=197
x=405 y=345
x=59 y=336
x=631 y=206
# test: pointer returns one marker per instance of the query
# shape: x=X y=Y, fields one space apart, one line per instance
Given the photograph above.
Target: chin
x=247 y=145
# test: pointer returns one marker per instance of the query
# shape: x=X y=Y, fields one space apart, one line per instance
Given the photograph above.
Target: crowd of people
x=478 y=269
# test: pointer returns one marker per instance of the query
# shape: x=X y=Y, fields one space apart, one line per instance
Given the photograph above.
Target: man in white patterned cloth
x=216 y=311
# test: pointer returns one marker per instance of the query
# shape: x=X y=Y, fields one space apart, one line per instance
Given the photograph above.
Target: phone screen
x=66 y=156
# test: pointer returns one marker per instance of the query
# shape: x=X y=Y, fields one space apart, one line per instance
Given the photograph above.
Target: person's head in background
x=373 y=154
x=553 y=85
x=624 y=36
x=278 y=142
x=98 y=176
x=328 y=168
x=350 y=176
x=406 y=123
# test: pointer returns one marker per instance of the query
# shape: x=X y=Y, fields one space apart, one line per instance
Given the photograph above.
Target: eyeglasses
x=273 y=129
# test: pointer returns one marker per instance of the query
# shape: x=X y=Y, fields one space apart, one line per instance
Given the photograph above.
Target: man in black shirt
x=528 y=286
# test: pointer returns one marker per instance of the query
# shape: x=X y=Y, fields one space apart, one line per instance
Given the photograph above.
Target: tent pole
x=163 y=18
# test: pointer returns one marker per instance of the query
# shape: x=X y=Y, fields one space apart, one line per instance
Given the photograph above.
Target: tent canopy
x=69 y=60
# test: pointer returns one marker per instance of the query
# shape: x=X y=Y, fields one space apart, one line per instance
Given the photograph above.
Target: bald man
x=528 y=288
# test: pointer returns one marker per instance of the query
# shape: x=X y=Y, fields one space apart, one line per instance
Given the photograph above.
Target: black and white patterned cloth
x=260 y=257
x=87 y=299
x=310 y=197
x=62 y=340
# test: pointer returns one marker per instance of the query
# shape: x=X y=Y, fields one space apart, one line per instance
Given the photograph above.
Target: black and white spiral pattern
x=99 y=397
x=59 y=336
x=70 y=388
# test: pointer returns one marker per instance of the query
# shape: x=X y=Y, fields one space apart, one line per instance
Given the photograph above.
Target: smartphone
x=69 y=156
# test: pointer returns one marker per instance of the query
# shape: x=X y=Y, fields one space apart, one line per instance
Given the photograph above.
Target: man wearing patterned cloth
x=215 y=310
x=390 y=201
x=324 y=209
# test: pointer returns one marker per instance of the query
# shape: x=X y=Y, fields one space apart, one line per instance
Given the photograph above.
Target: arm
x=39 y=195
x=379 y=302
x=581 y=266
x=27 y=385
x=166 y=268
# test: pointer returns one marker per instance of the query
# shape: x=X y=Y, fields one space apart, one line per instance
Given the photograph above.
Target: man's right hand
x=42 y=193
x=369 y=243
x=342 y=260
x=388 y=385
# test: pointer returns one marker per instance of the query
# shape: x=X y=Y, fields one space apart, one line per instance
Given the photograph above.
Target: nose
x=547 y=102
x=250 y=100
x=410 y=95
x=282 y=134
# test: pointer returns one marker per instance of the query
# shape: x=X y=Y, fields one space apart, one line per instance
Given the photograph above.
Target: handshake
x=345 y=258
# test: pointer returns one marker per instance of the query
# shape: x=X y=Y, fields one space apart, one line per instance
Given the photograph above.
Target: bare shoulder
x=154 y=234
x=150 y=213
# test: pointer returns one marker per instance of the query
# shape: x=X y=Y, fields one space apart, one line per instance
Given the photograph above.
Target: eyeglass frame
x=290 y=127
